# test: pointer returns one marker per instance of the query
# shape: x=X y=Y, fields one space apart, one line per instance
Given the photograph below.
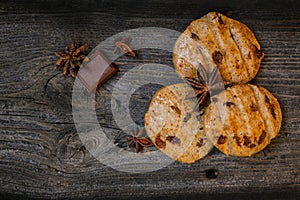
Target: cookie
x=216 y=40
x=243 y=119
x=174 y=126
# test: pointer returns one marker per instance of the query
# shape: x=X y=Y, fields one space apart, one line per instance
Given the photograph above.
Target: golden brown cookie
x=216 y=40
x=243 y=119
x=174 y=126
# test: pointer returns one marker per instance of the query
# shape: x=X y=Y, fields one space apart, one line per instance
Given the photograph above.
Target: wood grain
x=41 y=154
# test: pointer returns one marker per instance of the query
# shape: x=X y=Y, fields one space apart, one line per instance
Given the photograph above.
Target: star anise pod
x=71 y=60
x=137 y=141
x=207 y=84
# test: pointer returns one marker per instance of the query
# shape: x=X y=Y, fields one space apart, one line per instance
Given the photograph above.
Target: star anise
x=207 y=84
x=71 y=60
x=137 y=141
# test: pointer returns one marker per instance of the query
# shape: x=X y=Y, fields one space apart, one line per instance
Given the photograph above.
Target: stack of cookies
x=241 y=120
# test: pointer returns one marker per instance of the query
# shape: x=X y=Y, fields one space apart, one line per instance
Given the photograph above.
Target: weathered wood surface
x=41 y=154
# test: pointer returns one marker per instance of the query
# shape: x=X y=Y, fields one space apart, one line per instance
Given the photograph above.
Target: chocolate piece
x=95 y=72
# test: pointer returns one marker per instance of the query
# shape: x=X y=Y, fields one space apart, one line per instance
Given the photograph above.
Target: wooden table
x=41 y=154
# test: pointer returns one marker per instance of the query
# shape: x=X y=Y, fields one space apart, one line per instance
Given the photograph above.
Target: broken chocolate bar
x=95 y=72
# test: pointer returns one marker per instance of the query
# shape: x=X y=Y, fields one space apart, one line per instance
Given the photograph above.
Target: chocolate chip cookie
x=216 y=40
x=174 y=126
x=243 y=119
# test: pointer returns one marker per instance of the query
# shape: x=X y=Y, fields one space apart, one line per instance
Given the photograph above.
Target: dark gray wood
x=41 y=154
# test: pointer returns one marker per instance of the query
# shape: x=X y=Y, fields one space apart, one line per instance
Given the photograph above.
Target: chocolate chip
x=247 y=141
x=173 y=140
x=176 y=109
x=227 y=85
x=159 y=142
x=217 y=57
x=237 y=140
x=271 y=106
x=200 y=142
x=229 y=104
x=194 y=36
x=170 y=138
x=254 y=107
x=212 y=173
x=273 y=111
x=220 y=20
x=252 y=146
x=267 y=100
x=258 y=52
x=176 y=140
x=249 y=55
x=222 y=139
x=262 y=137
